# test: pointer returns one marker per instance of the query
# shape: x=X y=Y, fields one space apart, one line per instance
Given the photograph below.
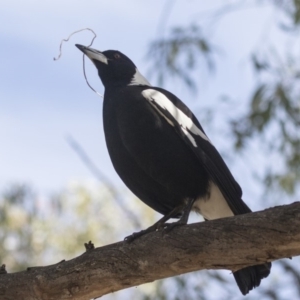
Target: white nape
x=139 y=79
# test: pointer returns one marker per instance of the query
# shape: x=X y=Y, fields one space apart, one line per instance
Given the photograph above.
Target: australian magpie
x=161 y=152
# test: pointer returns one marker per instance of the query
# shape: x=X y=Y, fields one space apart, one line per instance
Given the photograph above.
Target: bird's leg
x=183 y=219
x=156 y=226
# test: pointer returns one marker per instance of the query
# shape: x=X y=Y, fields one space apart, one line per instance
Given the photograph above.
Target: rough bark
x=230 y=243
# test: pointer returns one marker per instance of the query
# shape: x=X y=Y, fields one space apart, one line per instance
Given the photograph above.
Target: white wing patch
x=164 y=116
x=182 y=119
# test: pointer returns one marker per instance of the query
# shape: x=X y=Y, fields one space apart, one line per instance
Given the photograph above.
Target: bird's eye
x=117 y=56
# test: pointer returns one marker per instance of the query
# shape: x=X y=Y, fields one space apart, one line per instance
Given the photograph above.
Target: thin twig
x=68 y=38
x=83 y=56
x=83 y=64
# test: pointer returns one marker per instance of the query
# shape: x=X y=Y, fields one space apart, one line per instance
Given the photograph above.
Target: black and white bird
x=161 y=152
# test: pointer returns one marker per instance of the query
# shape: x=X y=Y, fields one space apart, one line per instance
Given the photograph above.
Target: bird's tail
x=250 y=277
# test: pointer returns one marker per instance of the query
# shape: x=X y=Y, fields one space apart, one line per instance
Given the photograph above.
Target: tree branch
x=230 y=243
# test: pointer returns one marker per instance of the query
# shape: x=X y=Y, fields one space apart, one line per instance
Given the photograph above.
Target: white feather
x=214 y=205
x=182 y=119
x=139 y=79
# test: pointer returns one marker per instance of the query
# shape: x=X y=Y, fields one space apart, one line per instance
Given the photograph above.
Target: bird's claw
x=169 y=226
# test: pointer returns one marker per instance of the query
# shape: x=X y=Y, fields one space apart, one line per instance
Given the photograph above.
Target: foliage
x=44 y=230
x=177 y=56
x=274 y=117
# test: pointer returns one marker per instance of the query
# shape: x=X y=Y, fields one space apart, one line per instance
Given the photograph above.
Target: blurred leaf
x=178 y=55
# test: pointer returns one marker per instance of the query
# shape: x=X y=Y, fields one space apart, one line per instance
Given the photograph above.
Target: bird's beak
x=93 y=54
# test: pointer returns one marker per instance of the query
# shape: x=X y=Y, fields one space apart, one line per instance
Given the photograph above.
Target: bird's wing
x=188 y=127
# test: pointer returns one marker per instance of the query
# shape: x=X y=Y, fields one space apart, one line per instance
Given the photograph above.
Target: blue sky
x=42 y=101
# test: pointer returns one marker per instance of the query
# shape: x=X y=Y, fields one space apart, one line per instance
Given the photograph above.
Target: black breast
x=148 y=154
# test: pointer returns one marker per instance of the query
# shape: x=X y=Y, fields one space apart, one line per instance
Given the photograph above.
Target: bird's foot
x=161 y=224
x=136 y=235
x=169 y=226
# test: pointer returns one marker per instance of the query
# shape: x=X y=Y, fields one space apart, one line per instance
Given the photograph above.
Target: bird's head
x=114 y=68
